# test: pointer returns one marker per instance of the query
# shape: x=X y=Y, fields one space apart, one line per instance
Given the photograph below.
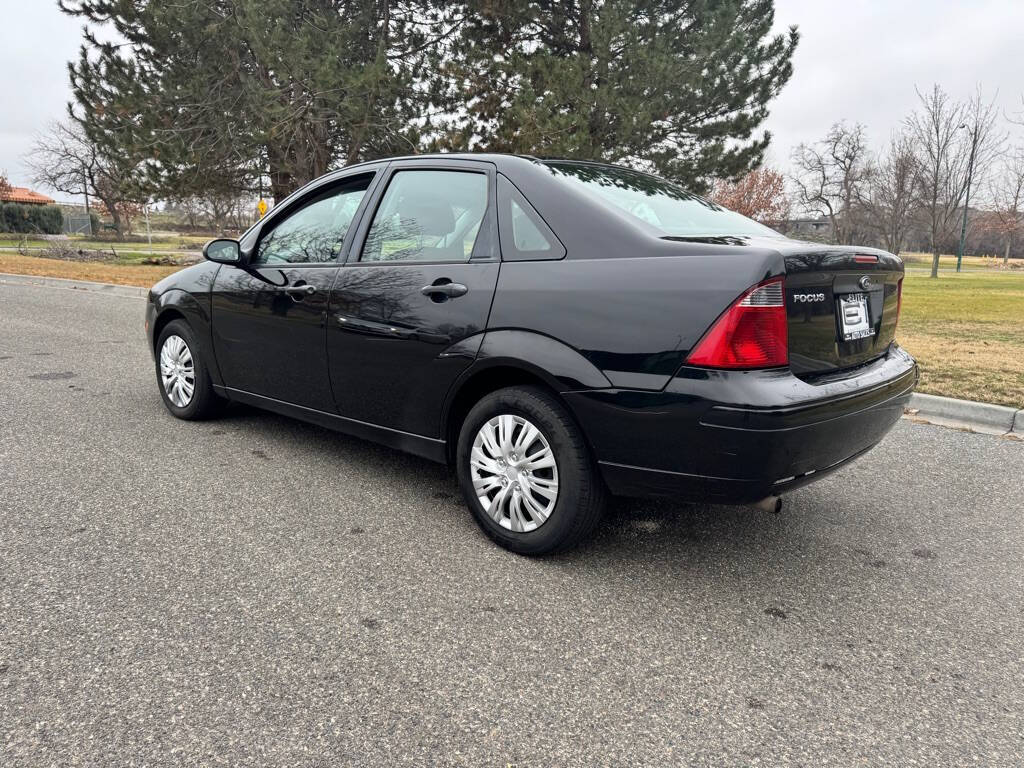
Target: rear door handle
x=302 y=290
x=448 y=290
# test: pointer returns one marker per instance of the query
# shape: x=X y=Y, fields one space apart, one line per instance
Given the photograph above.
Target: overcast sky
x=857 y=60
x=861 y=60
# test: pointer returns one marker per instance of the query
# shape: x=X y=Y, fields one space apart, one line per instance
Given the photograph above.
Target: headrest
x=427 y=216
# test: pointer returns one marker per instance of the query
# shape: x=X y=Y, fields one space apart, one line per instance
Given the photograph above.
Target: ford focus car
x=553 y=330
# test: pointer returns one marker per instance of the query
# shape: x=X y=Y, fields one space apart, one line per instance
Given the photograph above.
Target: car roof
x=500 y=159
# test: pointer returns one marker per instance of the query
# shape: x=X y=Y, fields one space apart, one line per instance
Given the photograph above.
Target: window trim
x=507 y=193
x=488 y=246
x=301 y=200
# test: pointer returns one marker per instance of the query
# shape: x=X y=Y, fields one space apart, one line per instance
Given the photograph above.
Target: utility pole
x=967 y=196
x=85 y=190
x=149 y=234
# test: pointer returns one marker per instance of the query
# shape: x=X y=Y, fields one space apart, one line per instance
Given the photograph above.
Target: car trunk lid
x=841 y=304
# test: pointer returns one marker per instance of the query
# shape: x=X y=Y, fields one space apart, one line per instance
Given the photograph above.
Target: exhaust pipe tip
x=771 y=504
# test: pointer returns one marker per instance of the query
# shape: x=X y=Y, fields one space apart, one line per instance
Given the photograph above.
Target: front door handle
x=300 y=290
x=444 y=291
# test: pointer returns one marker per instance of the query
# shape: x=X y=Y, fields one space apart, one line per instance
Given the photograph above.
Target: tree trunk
x=1006 y=252
x=280 y=171
x=837 y=236
x=115 y=216
x=935 y=263
x=280 y=184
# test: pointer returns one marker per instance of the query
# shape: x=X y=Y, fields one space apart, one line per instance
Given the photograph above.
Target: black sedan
x=554 y=330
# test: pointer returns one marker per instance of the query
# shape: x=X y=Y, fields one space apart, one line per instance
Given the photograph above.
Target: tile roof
x=23 y=195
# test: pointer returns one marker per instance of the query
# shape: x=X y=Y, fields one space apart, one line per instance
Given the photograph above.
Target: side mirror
x=223 y=251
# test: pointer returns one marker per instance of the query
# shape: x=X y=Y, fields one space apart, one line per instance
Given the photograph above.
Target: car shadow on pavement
x=762 y=567
x=632 y=528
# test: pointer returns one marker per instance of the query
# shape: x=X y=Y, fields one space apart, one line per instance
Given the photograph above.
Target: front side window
x=315 y=232
x=428 y=216
x=670 y=210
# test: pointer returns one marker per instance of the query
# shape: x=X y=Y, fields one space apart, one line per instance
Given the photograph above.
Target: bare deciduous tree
x=831 y=178
x=1008 y=199
x=985 y=145
x=891 y=204
x=187 y=206
x=64 y=159
x=949 y=137
x=227 y=210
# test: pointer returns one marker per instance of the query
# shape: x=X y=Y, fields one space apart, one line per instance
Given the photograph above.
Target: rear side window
x=523 y=233
x=428 y=216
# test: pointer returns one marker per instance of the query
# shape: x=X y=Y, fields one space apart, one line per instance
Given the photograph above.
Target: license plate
x=854 y=320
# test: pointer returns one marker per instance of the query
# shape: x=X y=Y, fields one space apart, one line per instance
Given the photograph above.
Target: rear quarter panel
x=634 y=318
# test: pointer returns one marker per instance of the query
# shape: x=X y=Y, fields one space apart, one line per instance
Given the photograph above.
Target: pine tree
x=207 y=95
x=675 y=87
x=209 y=92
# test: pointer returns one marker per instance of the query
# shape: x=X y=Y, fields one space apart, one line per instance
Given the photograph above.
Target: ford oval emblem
x=865 y=283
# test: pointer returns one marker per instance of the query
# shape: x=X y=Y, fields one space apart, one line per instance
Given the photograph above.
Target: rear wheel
x=526 y=472
x=182 y=373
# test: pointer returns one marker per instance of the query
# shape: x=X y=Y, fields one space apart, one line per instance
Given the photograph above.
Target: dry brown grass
x=968 y=368
x=140 y=275
x=967 y=333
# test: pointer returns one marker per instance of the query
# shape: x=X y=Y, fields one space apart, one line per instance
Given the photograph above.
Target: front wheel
x=526 y=472
x=182 y=373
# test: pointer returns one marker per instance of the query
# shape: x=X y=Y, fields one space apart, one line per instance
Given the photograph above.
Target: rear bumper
x=738 y=436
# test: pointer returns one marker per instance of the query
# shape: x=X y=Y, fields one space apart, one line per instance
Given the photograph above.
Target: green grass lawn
x=116 y=253
x=967 y=332
x=948 y=261
x=163 y=243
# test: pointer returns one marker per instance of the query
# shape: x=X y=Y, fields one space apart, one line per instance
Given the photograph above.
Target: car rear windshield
x=670 y=210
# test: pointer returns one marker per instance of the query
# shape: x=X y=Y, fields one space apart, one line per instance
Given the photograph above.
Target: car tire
x=187 y=365
x=526 y=520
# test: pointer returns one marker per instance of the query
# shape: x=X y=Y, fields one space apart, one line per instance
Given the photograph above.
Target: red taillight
x=865 y=258
x=752 y=333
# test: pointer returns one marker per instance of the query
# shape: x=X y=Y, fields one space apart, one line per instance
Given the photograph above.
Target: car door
x=411 y=302
x=270 y=314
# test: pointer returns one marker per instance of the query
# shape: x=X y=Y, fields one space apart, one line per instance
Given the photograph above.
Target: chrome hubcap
x=177 y=371
x=514 y=473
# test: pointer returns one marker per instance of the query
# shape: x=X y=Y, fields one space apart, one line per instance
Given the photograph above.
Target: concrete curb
x=110 y=289
x=979 y=417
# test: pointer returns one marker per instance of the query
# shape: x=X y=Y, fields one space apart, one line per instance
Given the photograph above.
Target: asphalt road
x=254 y=590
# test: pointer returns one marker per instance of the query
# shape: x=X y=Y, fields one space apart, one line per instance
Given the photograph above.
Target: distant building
x=23 y=195
x=816 y=230
x=820 y=227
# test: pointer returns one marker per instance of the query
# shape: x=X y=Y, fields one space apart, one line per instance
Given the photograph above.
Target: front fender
x=177 y=302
